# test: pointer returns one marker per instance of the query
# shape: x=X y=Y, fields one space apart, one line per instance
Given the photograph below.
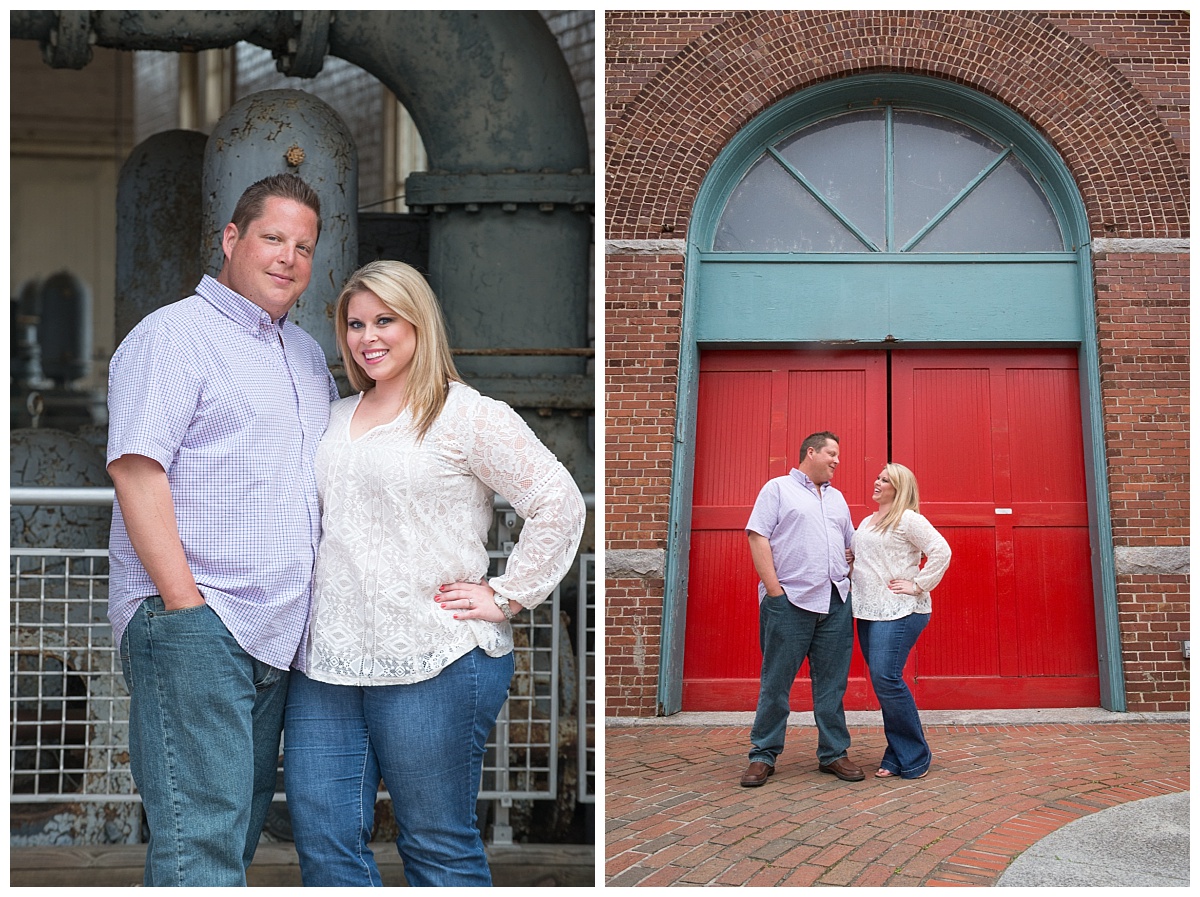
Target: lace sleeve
x=936 y=549
x=506 y=455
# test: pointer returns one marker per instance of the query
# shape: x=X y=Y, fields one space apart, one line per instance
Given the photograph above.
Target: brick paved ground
x=676 y=815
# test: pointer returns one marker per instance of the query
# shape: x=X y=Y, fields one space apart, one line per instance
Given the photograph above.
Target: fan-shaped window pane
x=953 y=189
x=845 y=159
x=1007 y=213
x=935 y=160
x=770 y=211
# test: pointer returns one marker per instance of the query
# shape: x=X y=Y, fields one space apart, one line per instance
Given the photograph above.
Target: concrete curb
x=1069 y=715
x=1140 y=844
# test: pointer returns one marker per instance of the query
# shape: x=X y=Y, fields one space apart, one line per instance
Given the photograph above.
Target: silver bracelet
x=502 y=603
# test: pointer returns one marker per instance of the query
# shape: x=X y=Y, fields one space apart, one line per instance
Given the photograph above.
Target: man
x=799 y=534
x=216 y=405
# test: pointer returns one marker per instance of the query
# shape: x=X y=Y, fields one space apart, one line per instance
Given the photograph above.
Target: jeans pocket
x=156 y=607
x=266 y=676
x=126 y=666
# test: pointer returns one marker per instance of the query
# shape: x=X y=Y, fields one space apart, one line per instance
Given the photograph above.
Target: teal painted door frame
x=889 y=300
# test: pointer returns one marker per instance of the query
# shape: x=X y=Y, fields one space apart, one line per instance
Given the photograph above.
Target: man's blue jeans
x=787 y=635
x=425 y=739
x=885 y=646
x=204 y=724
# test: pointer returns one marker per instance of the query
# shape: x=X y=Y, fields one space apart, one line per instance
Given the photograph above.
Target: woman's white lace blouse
x=880 y=557
x=401 y=517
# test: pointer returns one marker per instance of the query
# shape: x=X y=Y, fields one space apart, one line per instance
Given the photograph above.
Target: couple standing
x=266 y=531
x=813 y=567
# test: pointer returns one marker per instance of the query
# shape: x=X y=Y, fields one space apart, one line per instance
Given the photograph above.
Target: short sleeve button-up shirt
x=233 y=405
x=809 y=533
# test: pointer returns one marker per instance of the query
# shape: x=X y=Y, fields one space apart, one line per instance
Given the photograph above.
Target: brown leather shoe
x=757 y=774
x=843 y=769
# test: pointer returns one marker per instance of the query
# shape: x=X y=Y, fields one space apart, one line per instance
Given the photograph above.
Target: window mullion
x=889 y=187
x=957 y=201
x=819 y=197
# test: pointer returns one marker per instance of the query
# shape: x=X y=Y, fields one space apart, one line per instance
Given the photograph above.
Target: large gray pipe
x=498 y=113
x=255 y=138
x=159 y=201
x=501 y=94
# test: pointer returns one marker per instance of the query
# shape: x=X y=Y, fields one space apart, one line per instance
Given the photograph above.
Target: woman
x=409 y=655
x=892 y=605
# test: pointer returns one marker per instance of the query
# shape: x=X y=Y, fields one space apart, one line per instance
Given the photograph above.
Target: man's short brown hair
x=816 y=442
x=280 y=186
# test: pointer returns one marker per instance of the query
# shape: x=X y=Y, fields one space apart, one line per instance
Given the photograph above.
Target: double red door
x=995 y=439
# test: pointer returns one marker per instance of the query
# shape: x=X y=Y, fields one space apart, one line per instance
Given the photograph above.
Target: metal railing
x=585 y=649
x=69 y=705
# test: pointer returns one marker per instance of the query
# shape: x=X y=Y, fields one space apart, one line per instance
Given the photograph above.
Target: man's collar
x=805 y=480
x=235 y=306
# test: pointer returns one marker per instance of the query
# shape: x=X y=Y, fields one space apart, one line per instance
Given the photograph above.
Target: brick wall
x=637 y=45
x=642 y=307
x=633 y=631
x=1151 y=49
x=1142 y=318
x=1108 y=90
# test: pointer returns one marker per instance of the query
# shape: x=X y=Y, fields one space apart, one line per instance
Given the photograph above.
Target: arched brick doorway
x=968 y=306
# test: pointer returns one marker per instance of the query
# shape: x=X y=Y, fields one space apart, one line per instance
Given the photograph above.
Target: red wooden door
x=754 y=410
x=995 y=439
x=996 y=442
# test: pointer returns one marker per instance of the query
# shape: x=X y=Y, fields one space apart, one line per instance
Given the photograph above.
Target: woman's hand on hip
x=470 y=601
x=904 y=587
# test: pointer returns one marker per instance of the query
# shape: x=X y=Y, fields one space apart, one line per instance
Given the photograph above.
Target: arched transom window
x=889 y=180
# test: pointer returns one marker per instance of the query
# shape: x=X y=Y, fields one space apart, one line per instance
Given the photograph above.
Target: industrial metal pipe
x=501 y=97
x=508 y=186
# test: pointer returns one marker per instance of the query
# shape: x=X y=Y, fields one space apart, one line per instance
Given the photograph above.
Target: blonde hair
x=402 y=289
x=907 y=497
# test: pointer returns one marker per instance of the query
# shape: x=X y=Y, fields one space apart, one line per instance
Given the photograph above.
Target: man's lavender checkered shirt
x=232 y=405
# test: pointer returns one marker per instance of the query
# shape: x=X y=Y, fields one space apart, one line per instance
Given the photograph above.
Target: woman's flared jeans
x=885 y=646
x=426 y=740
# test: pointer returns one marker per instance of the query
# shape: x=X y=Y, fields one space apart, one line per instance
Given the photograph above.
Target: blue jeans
x=426 y=740
x=787 y=635
x=885 y=646
x=204 y=724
